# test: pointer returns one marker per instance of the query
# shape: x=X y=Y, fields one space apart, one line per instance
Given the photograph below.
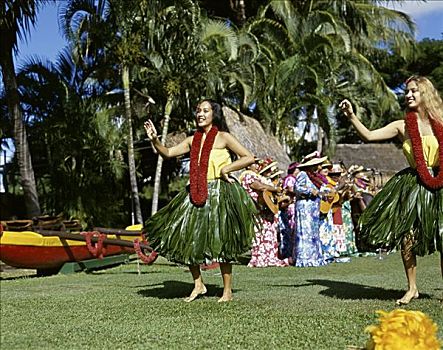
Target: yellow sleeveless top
x=218 y=158
x=430 y=151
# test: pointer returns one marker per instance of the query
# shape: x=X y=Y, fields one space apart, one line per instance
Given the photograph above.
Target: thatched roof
x=387 y=158
x=251 y=134
x=174 y=138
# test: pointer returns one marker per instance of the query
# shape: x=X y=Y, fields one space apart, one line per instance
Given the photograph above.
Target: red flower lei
x=199 y=170
x=425 y=176
x=316 y=178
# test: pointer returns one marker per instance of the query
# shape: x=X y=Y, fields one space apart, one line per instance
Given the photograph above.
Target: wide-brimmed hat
x=275 y=173
x=269 y=166
x=362 y=176
x=336 y=169
x=312 y=159
x=354 y=169
x=262 y=163
x=326 y=164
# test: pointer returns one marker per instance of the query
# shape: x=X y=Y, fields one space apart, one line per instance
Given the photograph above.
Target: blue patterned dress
x=307 y=247
x=348 y=229
x=286 y=222
x=328 y=237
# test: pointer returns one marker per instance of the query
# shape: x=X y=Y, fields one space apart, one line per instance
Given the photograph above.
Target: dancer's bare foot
x=409 y=295
x=226 y=297
x=195 y=293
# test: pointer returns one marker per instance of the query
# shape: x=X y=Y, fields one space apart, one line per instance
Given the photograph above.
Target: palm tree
x=16 y=19
x=105 y=33
x=77 y=141
x=326 y=45
x=189 y=56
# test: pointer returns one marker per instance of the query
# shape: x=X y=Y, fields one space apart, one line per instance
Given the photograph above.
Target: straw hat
x=362 y=176
x=336 y=169
x=267 y=167
x=312 y=159
x=326 y=165
x=275 y=173
x=354 y=169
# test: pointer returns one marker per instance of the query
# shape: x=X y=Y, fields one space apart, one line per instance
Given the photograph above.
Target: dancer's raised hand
x=151 y=132
x=346 y=108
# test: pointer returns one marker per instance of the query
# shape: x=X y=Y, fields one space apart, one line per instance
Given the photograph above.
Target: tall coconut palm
x=190 y=56
x=330 y=41
x=105 y=33
x=16 y=19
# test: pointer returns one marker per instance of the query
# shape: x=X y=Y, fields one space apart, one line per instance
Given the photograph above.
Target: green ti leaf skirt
x=404 y=207
x=221 y=230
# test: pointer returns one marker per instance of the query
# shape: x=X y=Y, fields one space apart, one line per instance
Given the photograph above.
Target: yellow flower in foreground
x=403 y=330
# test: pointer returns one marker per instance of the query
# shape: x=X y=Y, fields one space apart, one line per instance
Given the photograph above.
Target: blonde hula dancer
x=408 y=211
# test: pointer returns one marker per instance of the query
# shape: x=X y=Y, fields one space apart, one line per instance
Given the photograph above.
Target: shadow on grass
x=178 y=290
x=11 y=278
x=346 y=290
x=97 y=272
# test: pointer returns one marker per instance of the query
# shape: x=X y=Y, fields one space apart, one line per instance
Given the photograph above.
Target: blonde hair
x=432 y=102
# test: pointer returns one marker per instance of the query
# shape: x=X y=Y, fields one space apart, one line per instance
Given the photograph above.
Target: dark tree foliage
x=428 y=61
x=229 y=9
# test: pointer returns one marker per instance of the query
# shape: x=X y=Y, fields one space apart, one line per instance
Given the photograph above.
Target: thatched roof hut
x=175 y=138
x=251 y=134
x=386 y=158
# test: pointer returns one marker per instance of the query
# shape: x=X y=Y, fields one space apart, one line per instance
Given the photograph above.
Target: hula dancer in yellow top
x=214 y=217
x=408 y=211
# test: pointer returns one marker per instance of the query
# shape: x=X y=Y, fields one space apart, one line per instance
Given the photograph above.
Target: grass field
x=279 y=308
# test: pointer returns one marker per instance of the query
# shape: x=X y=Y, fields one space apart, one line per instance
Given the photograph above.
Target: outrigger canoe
x=47 y=250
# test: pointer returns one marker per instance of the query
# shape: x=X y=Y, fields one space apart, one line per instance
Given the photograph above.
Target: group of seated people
x=308 y=217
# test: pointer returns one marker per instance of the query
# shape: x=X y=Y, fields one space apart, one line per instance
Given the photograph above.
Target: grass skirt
x=221 y=230
x=404 y=205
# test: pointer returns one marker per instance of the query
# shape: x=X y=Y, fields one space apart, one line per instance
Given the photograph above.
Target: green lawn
x=278 y=308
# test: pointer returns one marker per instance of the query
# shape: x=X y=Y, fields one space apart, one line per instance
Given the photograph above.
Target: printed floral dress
x=329 y=236
x=307 y=247
x=264 y=251
x=287 y=222
x=348 y=228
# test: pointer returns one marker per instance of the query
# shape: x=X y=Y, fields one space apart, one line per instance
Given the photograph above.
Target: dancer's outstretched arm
x=175 y=151
x=396 y=128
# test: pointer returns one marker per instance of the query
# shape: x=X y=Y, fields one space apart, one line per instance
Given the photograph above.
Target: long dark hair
x=217 y=114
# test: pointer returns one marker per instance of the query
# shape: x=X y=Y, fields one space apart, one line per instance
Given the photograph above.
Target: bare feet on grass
x=196 y=292
x=409 y=295
x=226 y=297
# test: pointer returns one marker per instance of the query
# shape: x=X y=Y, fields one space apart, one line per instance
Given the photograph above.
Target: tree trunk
x=135 y=200
x=320 y=139
x=158 y=170
x=27 y=179
x=319 y=133
x=239 y=7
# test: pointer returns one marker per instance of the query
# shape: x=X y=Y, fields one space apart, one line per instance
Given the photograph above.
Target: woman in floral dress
x=330 y=240
x=307 y=247
x=341 y=213
x=264 y=250
x=287 y=213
